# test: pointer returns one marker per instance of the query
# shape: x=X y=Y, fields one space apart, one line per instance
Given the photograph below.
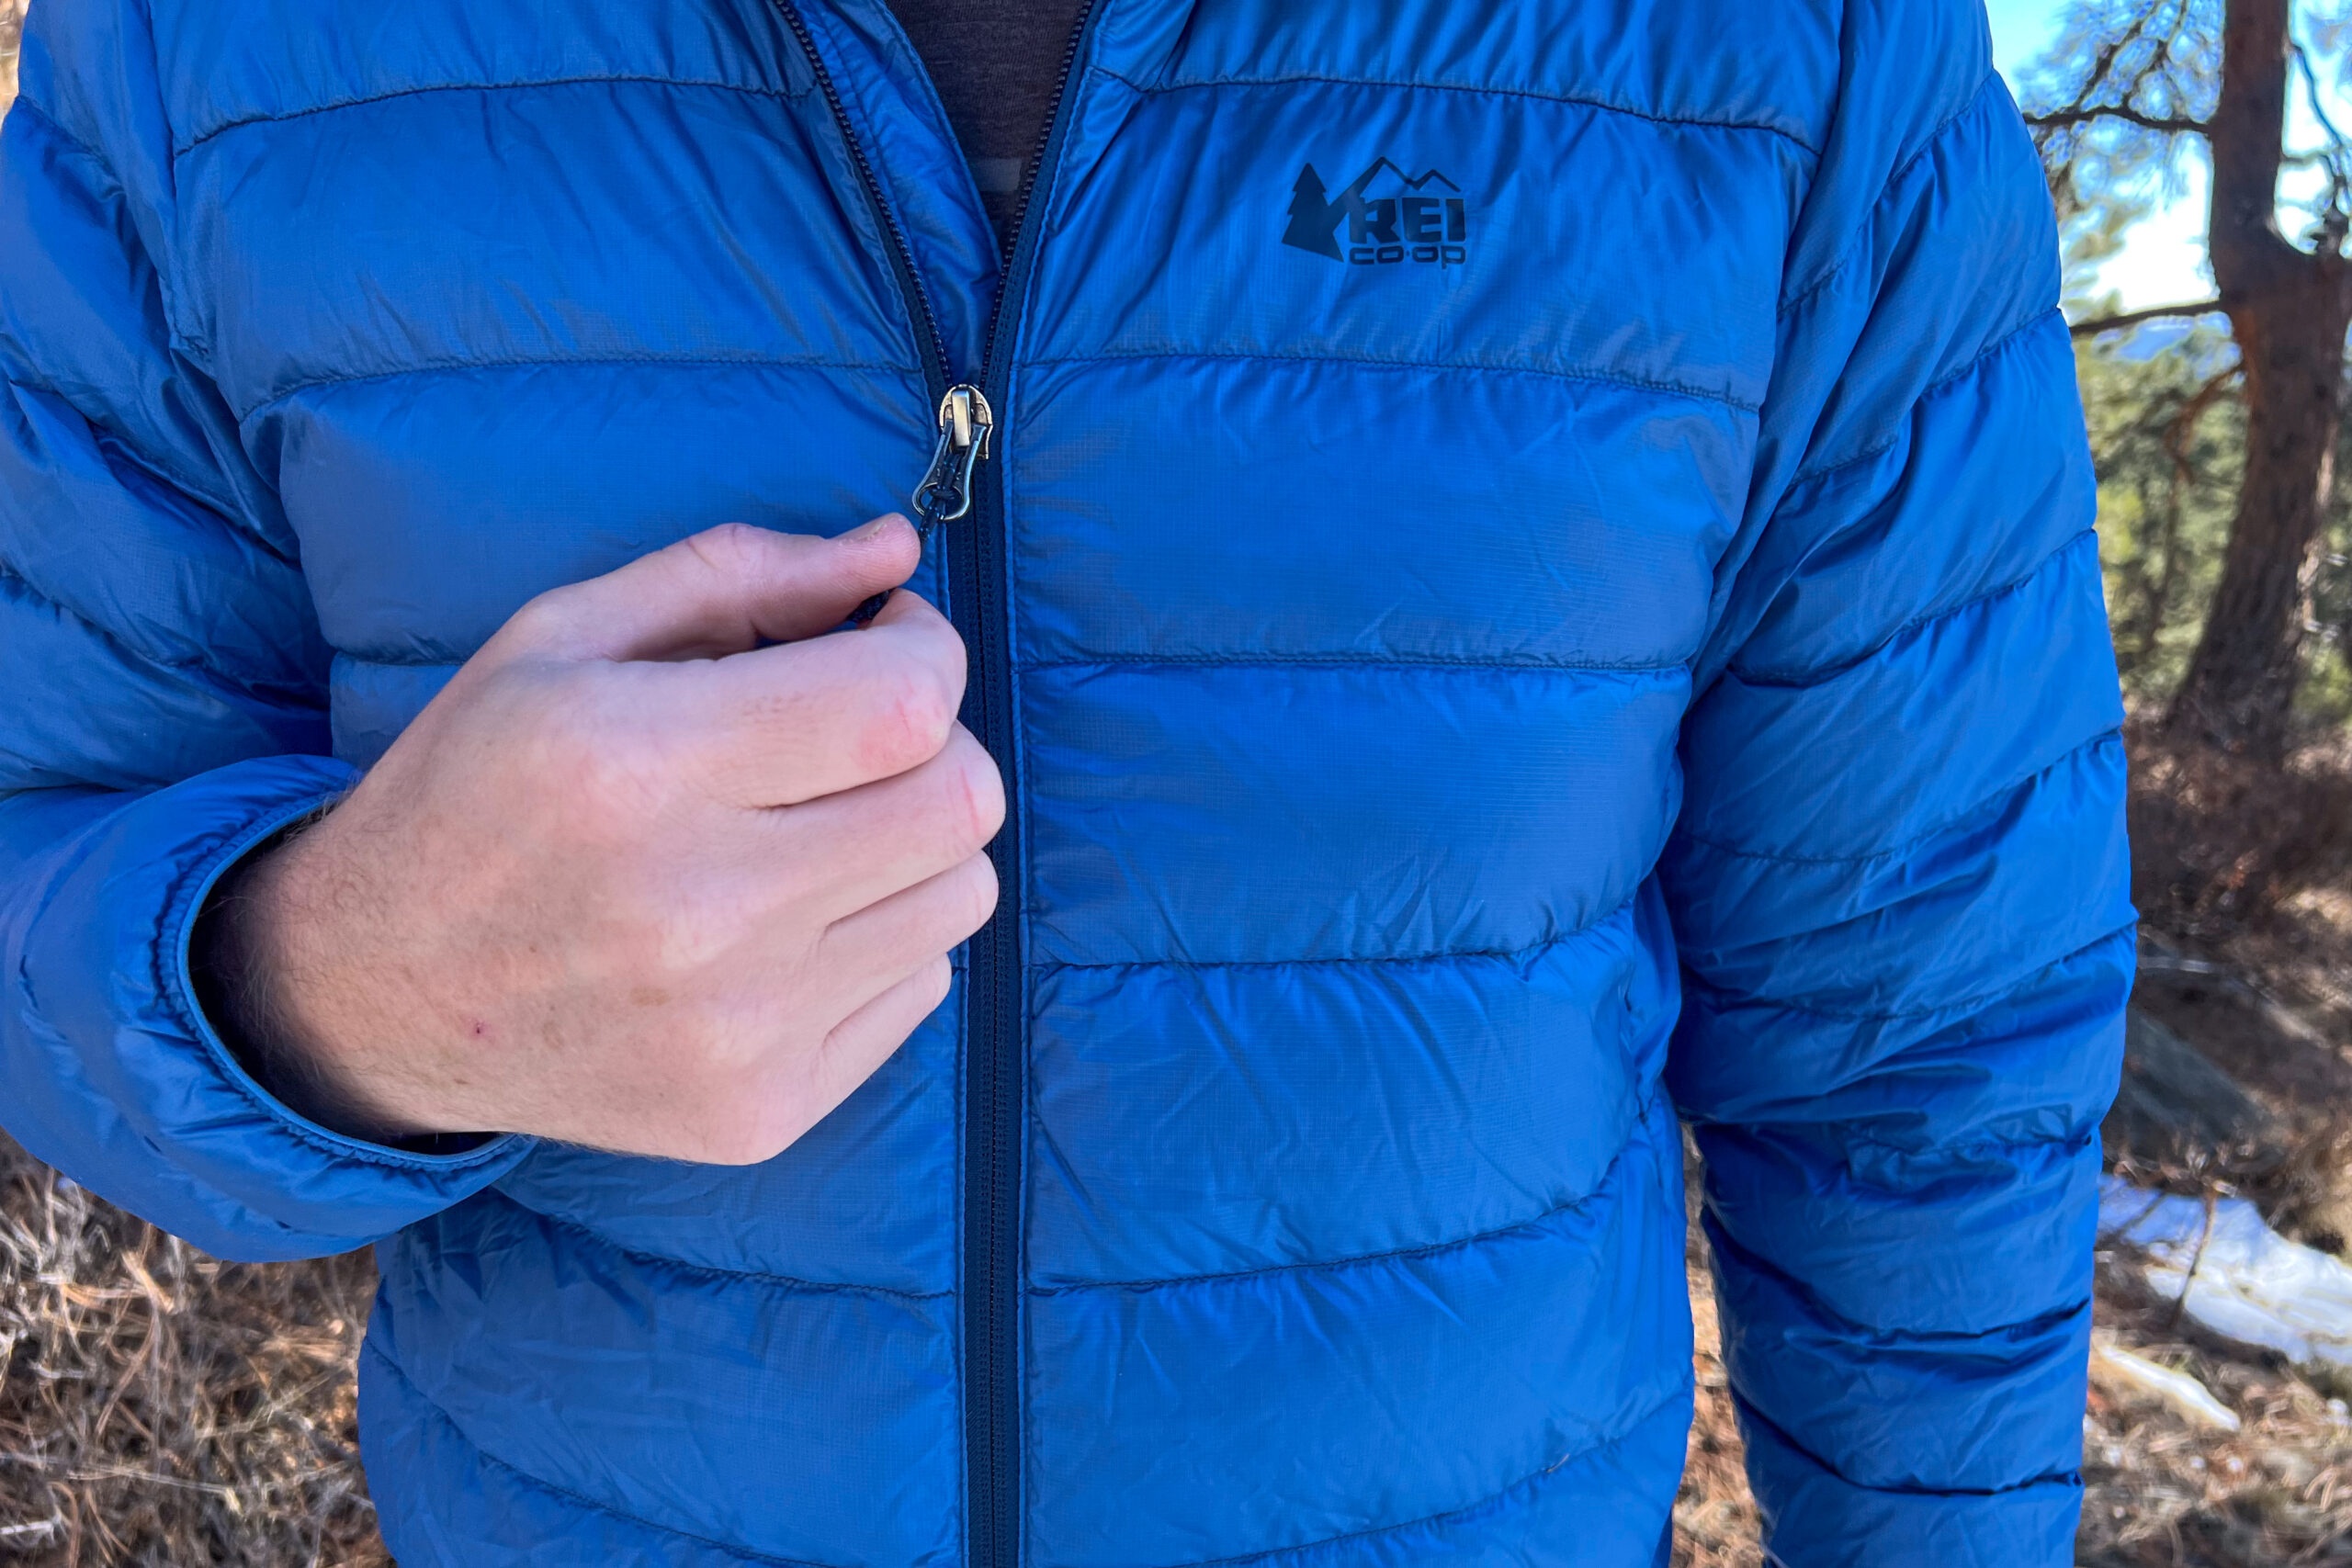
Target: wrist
x=266 y=978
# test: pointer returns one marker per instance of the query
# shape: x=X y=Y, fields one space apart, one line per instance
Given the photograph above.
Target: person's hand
x=633 y=879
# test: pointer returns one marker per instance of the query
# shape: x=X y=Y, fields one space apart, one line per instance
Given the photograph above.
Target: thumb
x=723 y=591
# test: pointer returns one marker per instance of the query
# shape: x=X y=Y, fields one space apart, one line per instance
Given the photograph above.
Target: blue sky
x=2163 y=260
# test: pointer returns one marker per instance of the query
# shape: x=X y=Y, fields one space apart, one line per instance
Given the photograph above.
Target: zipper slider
x=965 y=423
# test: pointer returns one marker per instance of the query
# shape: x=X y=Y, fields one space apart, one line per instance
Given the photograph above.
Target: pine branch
x=2171 y=125
x=2184 y=423
x=2134 y=318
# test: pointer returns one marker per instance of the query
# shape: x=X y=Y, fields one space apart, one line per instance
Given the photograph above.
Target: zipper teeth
x=934 y=346
x=992 y=1355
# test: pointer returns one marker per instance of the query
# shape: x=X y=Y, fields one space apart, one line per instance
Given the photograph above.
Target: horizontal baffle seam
x=426 y=89
x=1527 y=1483
x=467 y=366
x=1451 y=367
x=714 y=1271
x=1481 y=89
x=1367 y=1259
x=525 y=1477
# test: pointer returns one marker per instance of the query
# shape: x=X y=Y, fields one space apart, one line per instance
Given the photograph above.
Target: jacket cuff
x=128 y=1088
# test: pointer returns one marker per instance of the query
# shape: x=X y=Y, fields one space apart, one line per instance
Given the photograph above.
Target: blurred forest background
x=160 y=1407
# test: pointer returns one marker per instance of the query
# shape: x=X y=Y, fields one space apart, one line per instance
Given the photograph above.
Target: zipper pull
x=965 y=423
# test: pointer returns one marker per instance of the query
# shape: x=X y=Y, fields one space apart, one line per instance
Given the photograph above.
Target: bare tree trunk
x=2289 y=309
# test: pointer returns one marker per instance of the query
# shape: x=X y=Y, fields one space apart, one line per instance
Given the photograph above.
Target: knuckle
x=542 y=620
x=977 y=894
x=748 y=1129
x=945 y=647
x=610 y=776
x=728 y=550
x=680 y=937
x=725 y=1061
x=911 y=722
x=609 y=747
x=548 y=720
x=938 y=978
x=977 y=792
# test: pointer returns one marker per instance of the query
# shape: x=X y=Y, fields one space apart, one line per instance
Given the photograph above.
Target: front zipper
x=996 y=1080
x=996 y=1032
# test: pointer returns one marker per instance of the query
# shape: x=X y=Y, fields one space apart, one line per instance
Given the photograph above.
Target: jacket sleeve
x=162 y=707
x=1899 y=879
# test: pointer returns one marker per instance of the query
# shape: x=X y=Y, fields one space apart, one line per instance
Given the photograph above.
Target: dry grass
x=2165 y=1495
x=161 y=1408
x=1714 y=1518
x=2250 y=861
x=12 y=23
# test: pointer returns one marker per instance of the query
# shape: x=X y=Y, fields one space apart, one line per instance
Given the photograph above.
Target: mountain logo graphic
x=1391 y=217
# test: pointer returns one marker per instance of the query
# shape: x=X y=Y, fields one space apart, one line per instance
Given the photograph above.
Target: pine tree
x=1314 y=217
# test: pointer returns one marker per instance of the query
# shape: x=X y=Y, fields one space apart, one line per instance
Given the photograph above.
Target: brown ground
x=162 y=1409
x=2243 y=876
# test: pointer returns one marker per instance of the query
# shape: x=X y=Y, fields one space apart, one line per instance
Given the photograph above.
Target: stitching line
x=122 y=649
x=1349 y=660
x=224 y=510
x=1921 y=837
x=1459 y=366
x=741 y=1553
x=705 y=1270
x=1480 y=89
x=2001 y=345
x=276 y=116
x=1807 y=679
x=2070 y=1479
x=1400 y=960
x=520 y=362
x=1848 y=252
x=225 y=686
x=1885 y=1339
x=165 y=475
x=1724 y=1000
x=1430 y=1249
x=1679 y=1389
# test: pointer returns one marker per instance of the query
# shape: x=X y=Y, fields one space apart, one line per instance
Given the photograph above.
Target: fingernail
x=868 y=530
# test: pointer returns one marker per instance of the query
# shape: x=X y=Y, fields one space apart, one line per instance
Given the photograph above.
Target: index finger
x=779 y=726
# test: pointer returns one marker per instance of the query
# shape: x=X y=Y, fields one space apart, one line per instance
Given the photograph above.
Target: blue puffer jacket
x=1534 y=576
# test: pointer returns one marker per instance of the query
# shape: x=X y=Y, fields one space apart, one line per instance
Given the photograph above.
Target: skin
x=665 y=869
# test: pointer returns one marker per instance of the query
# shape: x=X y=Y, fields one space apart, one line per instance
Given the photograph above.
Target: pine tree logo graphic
x=1391 y=217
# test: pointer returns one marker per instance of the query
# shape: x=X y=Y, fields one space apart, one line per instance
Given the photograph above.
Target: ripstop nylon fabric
x=1486 y=684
